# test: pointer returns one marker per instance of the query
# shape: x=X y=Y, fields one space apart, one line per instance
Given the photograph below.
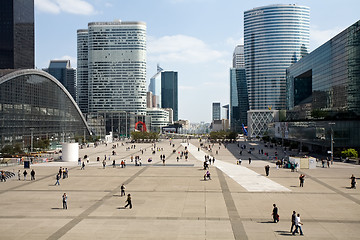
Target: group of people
x=25 y=173
x=295 y=220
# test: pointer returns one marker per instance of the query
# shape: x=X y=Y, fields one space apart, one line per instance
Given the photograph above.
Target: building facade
x=155 y=87
x=238 y=57
x=216 y=111
x=159 y=118
x=239 y=101
x=34 y=104
x=323 y=87
x=116 y=66
x=17 y=34
x=169 y=91
x=82 y=74
x=64 y=73
x=275 y=36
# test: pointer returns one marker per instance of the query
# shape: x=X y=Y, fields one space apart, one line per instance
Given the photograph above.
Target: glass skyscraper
x=82 y=71
x=17 y=34
x=116 y=66
x=169 y=92
x=216 y=111
x=275 y=36
x=239 y=101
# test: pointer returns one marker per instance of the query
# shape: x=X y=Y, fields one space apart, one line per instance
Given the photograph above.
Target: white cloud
x=319 y=37
x=79 y=7
x=234 y=42
x=181 y=48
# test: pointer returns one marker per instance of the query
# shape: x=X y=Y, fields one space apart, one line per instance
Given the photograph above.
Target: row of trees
x=144 y=135
x=223 y=135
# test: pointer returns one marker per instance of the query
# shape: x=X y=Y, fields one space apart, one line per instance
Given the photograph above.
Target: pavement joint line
x=345 y=195
x=235 y=220
x=67 y=227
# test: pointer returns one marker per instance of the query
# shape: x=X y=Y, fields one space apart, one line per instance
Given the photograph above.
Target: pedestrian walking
x=298 y=224
x=353 y=181
x=275 y=213
x=25 y=173
x=267 y=170
x=57 y=179
x=249 y=160
x=302 y=179
x=104 y=163
x=293 y=216
x=64 y=201
x=128 y=201
x=60 y=171
x=113 y=164
x=122 y=188
x=32 y=173
x=19 y=175
x=83 y=165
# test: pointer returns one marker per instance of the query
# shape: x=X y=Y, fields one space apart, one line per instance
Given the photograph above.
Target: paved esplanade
x=174 y=202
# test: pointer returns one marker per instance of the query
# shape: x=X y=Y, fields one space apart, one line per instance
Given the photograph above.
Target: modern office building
x=155 y=87
x=226 y=109
x=64 y=73
x=239 y=101
x=35 y=105
x=17 y=34
x=169 y=91
x=116 y=66
x=216 y=111
x=238 y=57
x=82 y=73
x=159 y=118
x=275 y=36
x=324 y=87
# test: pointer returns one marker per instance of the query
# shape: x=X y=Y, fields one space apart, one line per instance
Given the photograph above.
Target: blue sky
x=194 y=37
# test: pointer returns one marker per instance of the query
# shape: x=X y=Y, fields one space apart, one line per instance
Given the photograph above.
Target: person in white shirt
x=298 y=224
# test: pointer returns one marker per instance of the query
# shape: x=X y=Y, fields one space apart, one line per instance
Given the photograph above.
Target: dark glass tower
x=16 y=34
x=169 y=91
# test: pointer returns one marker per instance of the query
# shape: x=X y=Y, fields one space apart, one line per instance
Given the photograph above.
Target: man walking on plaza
x=32 y=173
x=293 y=216
x=128 y=200
x=298 y=224
x=25 y=173
x=64 y=200
x=275 y=214
x=57 y=179
x=122 y=188
x=302 y=178
x=267 y=170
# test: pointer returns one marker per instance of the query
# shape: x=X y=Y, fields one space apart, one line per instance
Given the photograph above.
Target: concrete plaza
x=174 y=201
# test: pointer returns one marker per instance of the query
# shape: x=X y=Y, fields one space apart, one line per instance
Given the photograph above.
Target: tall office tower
x=116 y=66
x=155 y=87
x=62 y=71
x=17 y=34
x=275 y=36
x=238 y=57
x=169 y=91
x=216 y=111
x=239 y=102
x=82 y=71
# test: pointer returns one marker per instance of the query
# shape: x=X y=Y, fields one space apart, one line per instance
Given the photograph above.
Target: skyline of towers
x=216 y=111
x=116 y=56
x=275 y=36
x=17 y=34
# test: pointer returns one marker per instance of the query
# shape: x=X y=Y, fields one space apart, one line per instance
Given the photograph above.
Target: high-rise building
x=216 y=111
x=62 y=71
x=275 y=36
x=82 y=70
x=169 y=91
x=239 y=101
x=238 y=57
x=116 y=66
x=155 y=87
x=17 y=34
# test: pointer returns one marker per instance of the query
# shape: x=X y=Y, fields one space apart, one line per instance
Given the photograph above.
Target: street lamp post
x=332 y=141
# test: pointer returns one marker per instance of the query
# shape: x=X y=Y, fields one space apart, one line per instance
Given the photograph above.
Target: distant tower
x=155 y=87
x=17 y=34
x=62 y=71
x=238 y=57
x=274 y=37
x=169 y=92
x=82 y=70
x=216 y=111
x=116 y=66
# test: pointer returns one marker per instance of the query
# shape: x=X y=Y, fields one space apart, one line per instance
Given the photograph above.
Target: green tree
x=349 y=153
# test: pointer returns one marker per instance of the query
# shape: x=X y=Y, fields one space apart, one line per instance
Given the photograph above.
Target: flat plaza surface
x=173 y=201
